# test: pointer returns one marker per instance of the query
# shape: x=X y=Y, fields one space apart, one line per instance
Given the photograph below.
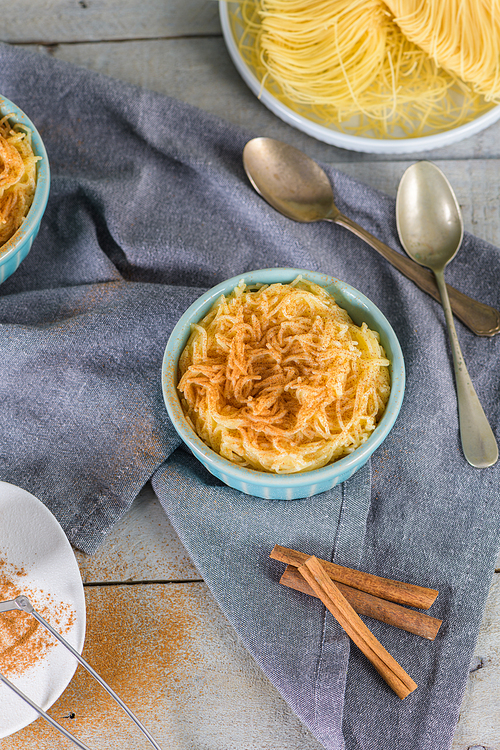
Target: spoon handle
x=482 y=319
x=478 y=441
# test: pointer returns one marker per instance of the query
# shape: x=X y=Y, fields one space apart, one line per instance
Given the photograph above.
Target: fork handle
x=44 y=714
x=92 y=672
x=482 y=319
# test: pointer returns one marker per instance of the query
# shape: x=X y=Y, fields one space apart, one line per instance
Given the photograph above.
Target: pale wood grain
x=200 y=72
x=479 y=724
x=58 y=21
x=171 y=655
x=142 y=546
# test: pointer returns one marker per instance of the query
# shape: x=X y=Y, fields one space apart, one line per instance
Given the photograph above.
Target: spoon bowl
x=290 y=181
x=428 y=216
x=430 y=228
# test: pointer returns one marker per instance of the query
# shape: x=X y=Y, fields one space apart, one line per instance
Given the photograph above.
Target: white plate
x=329 y=134
x=32 y=539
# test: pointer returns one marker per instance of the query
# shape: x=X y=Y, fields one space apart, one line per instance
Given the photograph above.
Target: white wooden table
x=154 y=631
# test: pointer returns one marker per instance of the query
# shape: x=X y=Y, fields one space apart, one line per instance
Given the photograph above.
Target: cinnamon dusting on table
x=23 y=641
x=145 y=642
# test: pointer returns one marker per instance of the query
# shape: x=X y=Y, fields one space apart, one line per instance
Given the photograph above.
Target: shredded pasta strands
x=462 y=36
x=347 y=63
x=17 y=178
x=278 y=378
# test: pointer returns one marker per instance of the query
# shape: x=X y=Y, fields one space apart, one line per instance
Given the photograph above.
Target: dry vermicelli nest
x=347 y=64
x=278 y=378
x=462 y=36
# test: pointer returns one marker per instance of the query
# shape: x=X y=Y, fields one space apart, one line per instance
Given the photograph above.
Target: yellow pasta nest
x=17 y=178
x=462 y=36
x=278 y=378
x=351 y=64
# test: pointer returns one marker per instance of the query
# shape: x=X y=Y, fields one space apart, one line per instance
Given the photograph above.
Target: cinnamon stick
x=388 y=668
x=365 y=604
x=384 y=588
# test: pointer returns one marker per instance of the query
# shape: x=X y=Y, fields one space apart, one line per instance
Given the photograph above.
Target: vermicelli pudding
x=278 y=378
x=17 y=177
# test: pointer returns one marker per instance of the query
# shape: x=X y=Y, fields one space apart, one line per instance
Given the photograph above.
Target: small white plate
x=329 y=134
x=33 y=541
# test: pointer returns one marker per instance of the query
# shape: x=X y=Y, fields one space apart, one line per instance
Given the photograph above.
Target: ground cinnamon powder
x=23 y=641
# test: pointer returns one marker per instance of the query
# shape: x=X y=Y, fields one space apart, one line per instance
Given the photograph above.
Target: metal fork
x=23 y=603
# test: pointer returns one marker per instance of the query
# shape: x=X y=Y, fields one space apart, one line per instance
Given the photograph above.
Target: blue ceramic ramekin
x=17 y=248
x=284 y=486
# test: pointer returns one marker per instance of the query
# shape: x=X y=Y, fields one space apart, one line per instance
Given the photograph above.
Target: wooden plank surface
x=56 y=21
x=142 y=546
x=156 y=633
x=480 y=207
x=479 y=724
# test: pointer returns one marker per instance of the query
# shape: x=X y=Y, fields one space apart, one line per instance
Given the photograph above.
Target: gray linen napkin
x=150 y=206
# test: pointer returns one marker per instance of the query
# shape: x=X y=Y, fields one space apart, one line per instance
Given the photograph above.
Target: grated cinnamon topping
x=278 y=378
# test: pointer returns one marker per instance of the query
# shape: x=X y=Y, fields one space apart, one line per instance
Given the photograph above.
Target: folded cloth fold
x=150 y=206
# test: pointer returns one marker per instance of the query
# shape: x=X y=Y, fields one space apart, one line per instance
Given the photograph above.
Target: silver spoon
x=297 y=187
x=430 y=228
